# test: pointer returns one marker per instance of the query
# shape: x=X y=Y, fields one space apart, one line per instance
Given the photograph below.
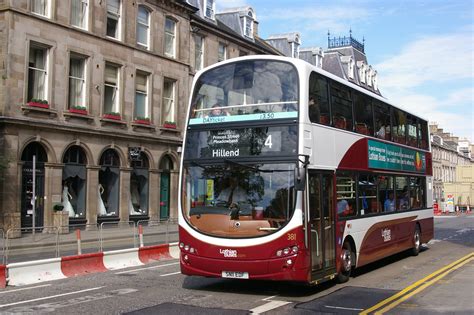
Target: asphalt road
x=159 y=288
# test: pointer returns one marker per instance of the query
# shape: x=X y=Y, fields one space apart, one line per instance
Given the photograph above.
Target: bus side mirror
x=300 y=179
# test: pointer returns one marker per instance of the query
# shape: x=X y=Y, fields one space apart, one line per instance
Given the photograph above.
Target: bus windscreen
x=245 y=91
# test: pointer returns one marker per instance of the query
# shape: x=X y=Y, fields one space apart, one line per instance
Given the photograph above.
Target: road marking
x=52 y=306
x=421 y=288
x=344 y=308
x=49 y=297
x=140 y=269
x=170 y=274
x=22 y=289
x=269 y=298
x=418 y=286
x=267 y=307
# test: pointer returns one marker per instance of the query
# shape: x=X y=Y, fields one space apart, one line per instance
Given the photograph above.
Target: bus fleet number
x=267 y=116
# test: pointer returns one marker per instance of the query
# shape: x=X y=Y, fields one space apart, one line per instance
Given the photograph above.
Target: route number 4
x=268 y=142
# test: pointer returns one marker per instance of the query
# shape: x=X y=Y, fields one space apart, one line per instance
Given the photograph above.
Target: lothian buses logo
x=386 y=235
x=228 y=252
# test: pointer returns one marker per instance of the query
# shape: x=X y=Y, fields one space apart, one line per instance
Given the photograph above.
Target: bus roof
x=302 y=64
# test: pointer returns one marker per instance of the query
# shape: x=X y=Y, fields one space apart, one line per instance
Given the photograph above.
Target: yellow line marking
x=421 y=288
x=414 y=285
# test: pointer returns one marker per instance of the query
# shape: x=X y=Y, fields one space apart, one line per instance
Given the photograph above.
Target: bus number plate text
x=235 y=274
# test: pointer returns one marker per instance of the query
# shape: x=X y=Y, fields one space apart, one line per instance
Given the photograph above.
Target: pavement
x=53 y=242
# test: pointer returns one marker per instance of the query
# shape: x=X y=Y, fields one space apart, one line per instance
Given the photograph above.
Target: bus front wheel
x=416 y=241
x=346 y=259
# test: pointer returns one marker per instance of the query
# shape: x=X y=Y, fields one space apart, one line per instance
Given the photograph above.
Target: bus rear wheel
x=346 y=259
x=416 y=242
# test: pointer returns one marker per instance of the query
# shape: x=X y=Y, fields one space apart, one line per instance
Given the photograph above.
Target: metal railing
x=21 y=244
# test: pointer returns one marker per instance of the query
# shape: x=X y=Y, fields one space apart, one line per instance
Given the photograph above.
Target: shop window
x=109 y=184
x=318 y=109
x=346 y=195
x=74 y=183
x=341 y=106
x=363 y=114
x=367 y=195
x=138 y=204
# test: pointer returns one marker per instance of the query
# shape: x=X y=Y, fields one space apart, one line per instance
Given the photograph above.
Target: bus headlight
x=292 y=250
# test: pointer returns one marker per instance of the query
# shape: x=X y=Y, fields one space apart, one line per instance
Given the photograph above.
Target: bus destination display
x=229 y=143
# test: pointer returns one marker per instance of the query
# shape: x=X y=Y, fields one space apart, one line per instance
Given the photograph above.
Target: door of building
x=321 y=222
x=27 y=195
x=165 y=195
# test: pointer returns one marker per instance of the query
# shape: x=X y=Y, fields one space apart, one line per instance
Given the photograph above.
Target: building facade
x=93 y=100
x=446 y=159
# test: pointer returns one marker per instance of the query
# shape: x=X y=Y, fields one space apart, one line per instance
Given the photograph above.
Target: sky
x=423 y=50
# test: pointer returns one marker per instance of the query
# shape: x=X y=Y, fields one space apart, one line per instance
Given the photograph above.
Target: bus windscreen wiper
x=256 y=169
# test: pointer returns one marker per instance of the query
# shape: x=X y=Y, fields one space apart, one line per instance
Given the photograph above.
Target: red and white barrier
x=34 y=271
x=122 y=258
x=3 y=276
x=71 y=266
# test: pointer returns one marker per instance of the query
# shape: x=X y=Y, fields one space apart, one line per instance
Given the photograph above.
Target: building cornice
x=57 y=126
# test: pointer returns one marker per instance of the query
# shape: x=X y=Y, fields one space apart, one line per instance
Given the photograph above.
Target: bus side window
x=318 y=105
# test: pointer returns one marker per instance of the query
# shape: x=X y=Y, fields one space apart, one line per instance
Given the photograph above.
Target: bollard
x=78 y=237
x=140 y=234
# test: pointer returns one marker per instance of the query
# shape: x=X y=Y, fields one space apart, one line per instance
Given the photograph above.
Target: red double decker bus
x=291 y=173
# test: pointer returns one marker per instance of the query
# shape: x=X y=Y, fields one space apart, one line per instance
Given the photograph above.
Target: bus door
x=321 y=220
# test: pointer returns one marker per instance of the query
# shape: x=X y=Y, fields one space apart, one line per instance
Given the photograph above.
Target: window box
x=78 y=110
x=169 y=125
x=113 y=116
x=142 y=120
x=38 y=103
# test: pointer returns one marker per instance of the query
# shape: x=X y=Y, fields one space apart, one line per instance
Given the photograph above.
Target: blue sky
x=423 y=51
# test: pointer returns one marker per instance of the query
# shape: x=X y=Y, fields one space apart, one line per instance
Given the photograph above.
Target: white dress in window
x=67 y=204
x=100 y=206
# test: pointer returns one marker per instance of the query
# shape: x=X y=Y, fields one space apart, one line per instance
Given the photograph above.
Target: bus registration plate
x=235 y=274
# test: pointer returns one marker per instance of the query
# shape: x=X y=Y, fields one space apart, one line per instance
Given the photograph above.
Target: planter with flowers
x=38 y=103
x=112 y=115
x=82 y=110
x=169 y=125
x=142 y=120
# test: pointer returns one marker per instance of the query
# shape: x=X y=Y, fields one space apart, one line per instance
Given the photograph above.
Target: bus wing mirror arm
x=300 y=174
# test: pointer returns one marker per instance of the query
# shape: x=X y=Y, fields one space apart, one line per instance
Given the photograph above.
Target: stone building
x=446 y=159
x=95 y=92
x=345 y=57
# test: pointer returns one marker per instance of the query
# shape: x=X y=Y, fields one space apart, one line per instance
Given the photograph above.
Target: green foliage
x=142 y=118
x=39 y=101
x=58 y=207
x=79 y=107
